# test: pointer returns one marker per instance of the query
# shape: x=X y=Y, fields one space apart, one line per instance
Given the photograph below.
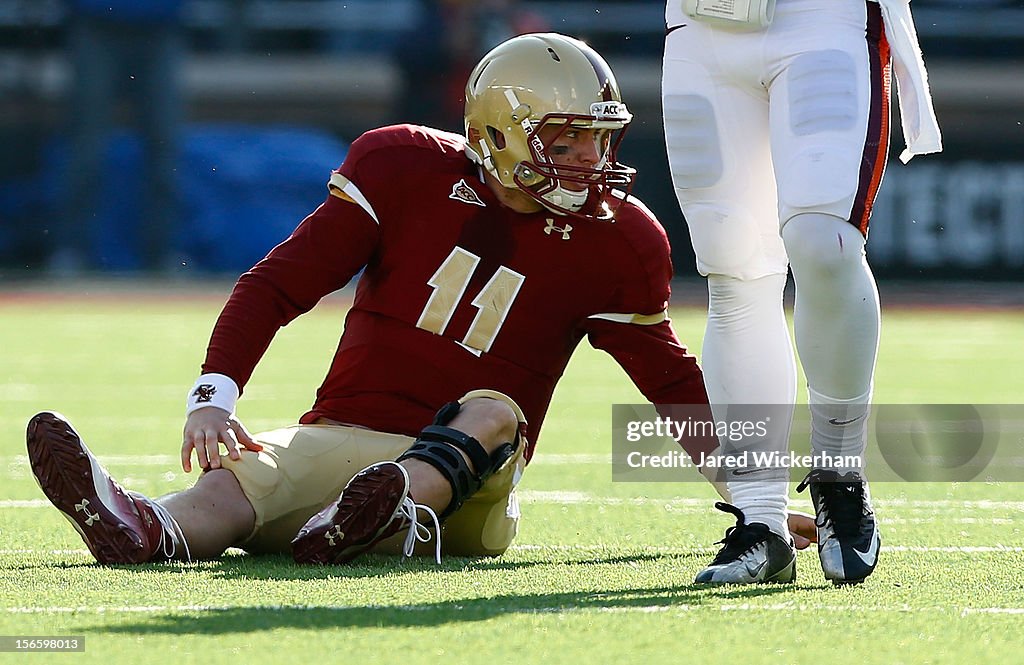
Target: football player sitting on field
x=486 y=259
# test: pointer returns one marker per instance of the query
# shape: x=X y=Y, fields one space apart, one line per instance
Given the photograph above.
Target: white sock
x=763 y=501
x=748 y=358
x=839 y=430
x=747 y=355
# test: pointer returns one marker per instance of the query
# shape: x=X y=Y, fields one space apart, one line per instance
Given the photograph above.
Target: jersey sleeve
x=638 y=334
x=642 y=261
x=377 y=169
x=660 y=367
x=322 y=255
x=654 y=358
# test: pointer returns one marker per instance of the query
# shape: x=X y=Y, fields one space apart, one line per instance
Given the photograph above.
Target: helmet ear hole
x=497 y=138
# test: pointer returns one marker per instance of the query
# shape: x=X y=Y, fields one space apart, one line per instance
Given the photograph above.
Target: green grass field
x=601 y=571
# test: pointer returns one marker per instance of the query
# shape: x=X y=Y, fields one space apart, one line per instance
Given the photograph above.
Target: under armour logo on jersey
x=463 y=192
x=564 y=230
x=204 y=393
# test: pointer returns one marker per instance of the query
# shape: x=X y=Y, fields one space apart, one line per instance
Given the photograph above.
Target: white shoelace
x=170 y=535
x=420 y=532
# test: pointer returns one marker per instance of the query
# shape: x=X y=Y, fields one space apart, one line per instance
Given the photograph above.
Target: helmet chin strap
x=565 y=199
x=569 y=199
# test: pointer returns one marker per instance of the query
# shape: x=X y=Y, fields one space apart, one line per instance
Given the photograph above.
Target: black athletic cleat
x=848 y=539
x=751 y=554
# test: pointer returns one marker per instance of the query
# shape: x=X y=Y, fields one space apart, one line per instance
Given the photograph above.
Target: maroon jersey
x=458 y=292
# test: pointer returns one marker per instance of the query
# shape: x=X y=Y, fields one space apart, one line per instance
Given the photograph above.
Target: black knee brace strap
x=437 y=449
x=439 y=446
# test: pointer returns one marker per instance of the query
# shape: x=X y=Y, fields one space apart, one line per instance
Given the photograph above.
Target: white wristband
x=216 y=390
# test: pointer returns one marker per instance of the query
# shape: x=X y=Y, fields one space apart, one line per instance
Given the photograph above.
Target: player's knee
x=468 y=442
x=492 y=422
x=224 y=491
x=735 y=300
x=218 y=480
x=822 y=247
x=725 y=237
x=821 y=179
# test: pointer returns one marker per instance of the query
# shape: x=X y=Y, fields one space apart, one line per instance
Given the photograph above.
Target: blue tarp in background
x=242 y=189
x=245 y=189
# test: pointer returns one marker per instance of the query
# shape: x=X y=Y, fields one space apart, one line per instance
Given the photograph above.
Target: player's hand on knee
x=802 y=528
x=205 y=429
x=235 y=436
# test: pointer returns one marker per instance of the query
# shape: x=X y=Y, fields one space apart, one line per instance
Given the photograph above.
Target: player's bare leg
x=213 y=515
x=447 y=464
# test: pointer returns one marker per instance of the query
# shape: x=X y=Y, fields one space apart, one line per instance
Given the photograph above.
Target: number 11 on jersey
x=493 y=302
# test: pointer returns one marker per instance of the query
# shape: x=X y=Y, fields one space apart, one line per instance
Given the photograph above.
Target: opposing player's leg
x=748 y=360
x=830 y=141
x=120 y=526
x=837 y=322
x=447 y=464
x=718 y=141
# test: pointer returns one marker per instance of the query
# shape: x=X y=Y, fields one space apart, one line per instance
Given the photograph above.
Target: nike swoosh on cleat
x=871 y=555
x=753 y=572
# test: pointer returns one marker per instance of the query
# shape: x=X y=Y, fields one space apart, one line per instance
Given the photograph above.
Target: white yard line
x=666 y=549
x=30 y=551
x=161 y=460
x=573 y=497
x=106 y=460
x=17 y=466
x=25 y=503
x=685 y=504
x=922 y=549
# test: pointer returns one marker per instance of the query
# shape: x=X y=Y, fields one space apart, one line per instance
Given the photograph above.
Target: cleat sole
x=314 y=545
x=63 y=469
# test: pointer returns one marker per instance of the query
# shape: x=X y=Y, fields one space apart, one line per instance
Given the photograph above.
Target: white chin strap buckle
x=566 y=199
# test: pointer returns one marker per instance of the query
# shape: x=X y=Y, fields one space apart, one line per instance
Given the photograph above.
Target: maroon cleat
x=374 y=505
x=118 y=526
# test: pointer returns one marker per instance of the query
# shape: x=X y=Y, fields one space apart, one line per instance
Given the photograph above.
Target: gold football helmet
x=533 y=81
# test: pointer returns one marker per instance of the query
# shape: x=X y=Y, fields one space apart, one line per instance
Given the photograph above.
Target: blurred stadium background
x=273 y=90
